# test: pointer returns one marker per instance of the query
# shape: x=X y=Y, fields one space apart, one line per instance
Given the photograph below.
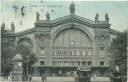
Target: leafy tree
x=7 y=53
x=118 y=49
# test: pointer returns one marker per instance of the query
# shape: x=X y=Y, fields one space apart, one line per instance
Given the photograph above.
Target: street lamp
x=27 y=64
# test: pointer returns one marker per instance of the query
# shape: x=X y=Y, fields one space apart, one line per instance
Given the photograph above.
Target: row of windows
x=71 y=63
x=71 y=53
x=101 y=52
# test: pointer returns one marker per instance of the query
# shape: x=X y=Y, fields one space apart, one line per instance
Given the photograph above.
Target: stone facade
x=68 y=42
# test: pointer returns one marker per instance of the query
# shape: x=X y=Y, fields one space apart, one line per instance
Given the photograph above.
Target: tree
x=118 y=49
x=7 y=54
x=28 y=58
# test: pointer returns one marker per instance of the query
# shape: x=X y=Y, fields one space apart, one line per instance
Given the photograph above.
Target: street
x=49 y=79
x=62 y=79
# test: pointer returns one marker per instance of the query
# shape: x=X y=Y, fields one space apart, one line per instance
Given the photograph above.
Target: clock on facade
x=72 y=43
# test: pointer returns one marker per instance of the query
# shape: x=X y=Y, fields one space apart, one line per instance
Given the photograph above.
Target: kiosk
x=17 y=68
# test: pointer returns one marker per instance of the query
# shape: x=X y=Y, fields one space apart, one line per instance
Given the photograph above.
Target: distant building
x=67 y=43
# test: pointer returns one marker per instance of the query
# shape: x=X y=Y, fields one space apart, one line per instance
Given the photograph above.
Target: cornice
x=25 y=32
x=71 y=18
x=65 y=19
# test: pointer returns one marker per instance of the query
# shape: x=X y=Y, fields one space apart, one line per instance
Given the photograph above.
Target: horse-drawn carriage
x=84 y=74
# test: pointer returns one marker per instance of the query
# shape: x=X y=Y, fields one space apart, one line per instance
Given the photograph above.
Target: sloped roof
x=114 y=31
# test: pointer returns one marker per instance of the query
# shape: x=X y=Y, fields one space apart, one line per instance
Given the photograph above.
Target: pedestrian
x=9 y=78
x=76 y=78
x=105 y=75
x=94 y=76
x=42 y=78
x=30 y=78
x=45 y=77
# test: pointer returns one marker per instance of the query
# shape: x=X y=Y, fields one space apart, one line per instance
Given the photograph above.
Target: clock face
x=72 y=43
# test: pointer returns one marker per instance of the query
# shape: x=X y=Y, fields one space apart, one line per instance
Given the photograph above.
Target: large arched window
x=72 y=37
x=72 y=41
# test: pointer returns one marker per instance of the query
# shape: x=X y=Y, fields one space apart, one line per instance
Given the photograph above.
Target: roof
x=114 y=31
x=18 y=57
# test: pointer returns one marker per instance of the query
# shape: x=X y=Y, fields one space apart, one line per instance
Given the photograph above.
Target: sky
x=11 y=12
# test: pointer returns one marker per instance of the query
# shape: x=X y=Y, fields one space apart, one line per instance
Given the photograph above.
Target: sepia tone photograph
x=63 y=41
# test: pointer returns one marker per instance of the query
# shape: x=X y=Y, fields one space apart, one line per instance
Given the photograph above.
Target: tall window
x=78 y=53
x=72 y=63
x=42 y=51
x=54 y=62
x=58 y=52
x=84 y=53
x=77 y=62
x=70 y=52
x=89 y=63
x=73 y=52
x=102 y=63
x=54 y=53
x=65 y=52
x=83 y=62
x=41 y=62
x=102 y=50
x=89 y=52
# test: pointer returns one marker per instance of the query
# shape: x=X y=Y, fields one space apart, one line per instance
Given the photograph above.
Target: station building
x=67 y=43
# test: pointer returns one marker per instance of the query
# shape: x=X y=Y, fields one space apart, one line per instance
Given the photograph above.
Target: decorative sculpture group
x=38 y=16
x=106 y=17
x=72 y=12
x=72 y=8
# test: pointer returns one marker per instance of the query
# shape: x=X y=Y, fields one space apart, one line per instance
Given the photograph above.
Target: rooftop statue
x=37 y=16
x=12 y=26
x=47 y=16
x=96 y=17
x=106 y=17
x=72 y=8
x=3 y=26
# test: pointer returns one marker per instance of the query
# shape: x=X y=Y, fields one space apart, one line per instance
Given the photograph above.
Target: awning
x=85 y=69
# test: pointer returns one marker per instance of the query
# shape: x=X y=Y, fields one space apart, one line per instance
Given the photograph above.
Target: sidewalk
x=49 y=79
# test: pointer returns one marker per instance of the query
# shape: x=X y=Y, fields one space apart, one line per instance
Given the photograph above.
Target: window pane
x=41 y=62
x=102 y=63
x=89 y=63
x=84 y=53
x=78 y=53
x=83 y=62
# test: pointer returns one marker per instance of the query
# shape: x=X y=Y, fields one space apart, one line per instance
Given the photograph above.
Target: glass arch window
x=72 y=37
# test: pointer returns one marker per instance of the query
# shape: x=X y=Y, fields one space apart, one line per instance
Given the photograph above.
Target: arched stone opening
x=72 y=37
x=73 y=41
x=25 y=41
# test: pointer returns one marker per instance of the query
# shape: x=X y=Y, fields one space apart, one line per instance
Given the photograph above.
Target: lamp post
x=12 y=69
x=27 y=65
